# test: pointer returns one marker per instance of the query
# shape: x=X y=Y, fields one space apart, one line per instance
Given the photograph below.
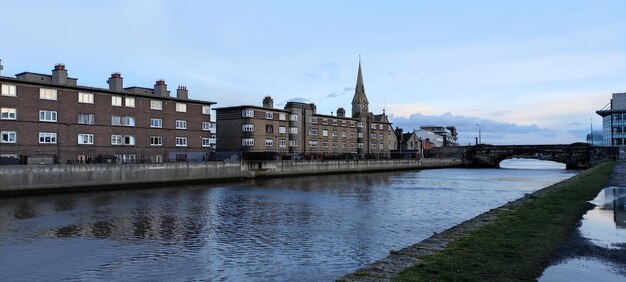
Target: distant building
x=299 y=130
x=51 y=119
x=614 y=121
x=426 y=135
x=448 y=134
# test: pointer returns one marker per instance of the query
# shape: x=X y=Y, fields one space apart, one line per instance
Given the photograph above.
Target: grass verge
x=520 y=243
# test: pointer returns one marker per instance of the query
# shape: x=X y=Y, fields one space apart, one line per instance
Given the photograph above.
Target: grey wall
x=21 y=178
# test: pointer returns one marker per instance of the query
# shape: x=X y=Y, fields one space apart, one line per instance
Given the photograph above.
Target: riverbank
x=525 y=233
x=32 y=179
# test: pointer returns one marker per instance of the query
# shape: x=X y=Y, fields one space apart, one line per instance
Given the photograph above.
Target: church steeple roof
x=359 y=90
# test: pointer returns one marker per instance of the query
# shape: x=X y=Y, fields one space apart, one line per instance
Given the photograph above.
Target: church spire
x=359 y=102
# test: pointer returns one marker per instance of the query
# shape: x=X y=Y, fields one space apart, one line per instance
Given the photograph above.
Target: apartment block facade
x=52 y=117
x=299 y=130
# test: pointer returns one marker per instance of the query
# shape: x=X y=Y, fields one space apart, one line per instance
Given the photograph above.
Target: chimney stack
x=59 y=74
x=341 y=112
x=116 y=82
x=160 y=88
x=268 y=102
x=182 y=93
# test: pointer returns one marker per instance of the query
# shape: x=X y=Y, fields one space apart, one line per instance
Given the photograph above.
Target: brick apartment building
x=50 y=118
x=299 y=130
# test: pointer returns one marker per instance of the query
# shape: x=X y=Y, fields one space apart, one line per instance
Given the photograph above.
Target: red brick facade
x=22 y=136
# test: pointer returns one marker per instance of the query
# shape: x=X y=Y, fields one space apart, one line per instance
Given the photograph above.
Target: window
x=381 y=126
x=352 y=134
x=313 y=144
x=116 y=101
x=344 y=145
x=335 y=133
x=206 y=125
x=381 y=146
x=344 y=123
x=8 y=90
x=325 y=144
x=352 y=145
x=128 y=121
x=206 y=142
x=352 y=124
x=156 y=105
x=116 y=120
x=86 y=118
x=8 y=136
x=47 y=137
x=282 y=116
x=128 y=140
x=269 y=142
x=47 y=94
x=86 y=98
x=85 y=138
x=269 y=128
x=247 y=113
x=313 y=120
x=380 y=136
x=293 y=143
x=373 y=126
x=206 y=110
x=116 y=139
x=269 y=115
x=50 y=116
x=360 y=134
x=282 y=143
x=282 y=129
x=129 y=102
x=313 y=131
x=181 y=124
x=373 y=145
x=344 y=134
x=181 y=107
x=373 y=135
x=360 y=145
x=156 y=122
x=181 y=141
x=156 y=141
x=247 y=127
x=325 y=132
x=325 y=121
x=293 y=130
x=247 y=142
x=359 y=124
x=8 y=113
x=293 y=117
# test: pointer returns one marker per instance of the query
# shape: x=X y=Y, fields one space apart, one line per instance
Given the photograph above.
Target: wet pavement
x=597 y=250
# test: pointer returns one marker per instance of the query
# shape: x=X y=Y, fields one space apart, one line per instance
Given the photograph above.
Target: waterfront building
x=299 y=130
x=51 y=118
x=448 y=134
x=426 y=135
x=614 y=121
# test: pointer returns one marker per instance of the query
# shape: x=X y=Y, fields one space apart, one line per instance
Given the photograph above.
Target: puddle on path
x=581 y=269
x=605 y=225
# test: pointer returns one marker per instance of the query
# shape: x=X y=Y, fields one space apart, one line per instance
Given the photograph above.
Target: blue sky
x=529 y=72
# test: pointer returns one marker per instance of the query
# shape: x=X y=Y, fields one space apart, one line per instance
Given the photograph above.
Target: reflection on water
x=306 y=228
x=605 y=225
x=582 y=269
x=517 y=163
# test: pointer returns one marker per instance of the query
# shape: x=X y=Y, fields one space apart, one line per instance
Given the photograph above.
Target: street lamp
x=479 y=137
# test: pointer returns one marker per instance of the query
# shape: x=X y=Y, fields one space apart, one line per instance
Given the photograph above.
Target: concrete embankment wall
x=50 y=178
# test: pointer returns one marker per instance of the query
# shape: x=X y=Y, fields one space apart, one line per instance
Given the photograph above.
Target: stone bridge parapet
x=574 y=156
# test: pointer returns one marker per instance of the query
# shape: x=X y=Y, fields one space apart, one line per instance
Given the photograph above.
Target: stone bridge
x=574 y=156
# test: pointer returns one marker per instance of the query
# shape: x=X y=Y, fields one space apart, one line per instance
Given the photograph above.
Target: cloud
x=345 y=91
x=492 y=131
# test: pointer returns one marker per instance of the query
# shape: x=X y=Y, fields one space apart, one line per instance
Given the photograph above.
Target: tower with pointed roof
x=360 y=105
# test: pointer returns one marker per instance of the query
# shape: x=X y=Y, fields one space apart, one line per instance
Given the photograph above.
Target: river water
x=313 y=228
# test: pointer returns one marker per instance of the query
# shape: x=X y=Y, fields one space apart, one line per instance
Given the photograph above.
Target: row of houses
x=50 y=118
